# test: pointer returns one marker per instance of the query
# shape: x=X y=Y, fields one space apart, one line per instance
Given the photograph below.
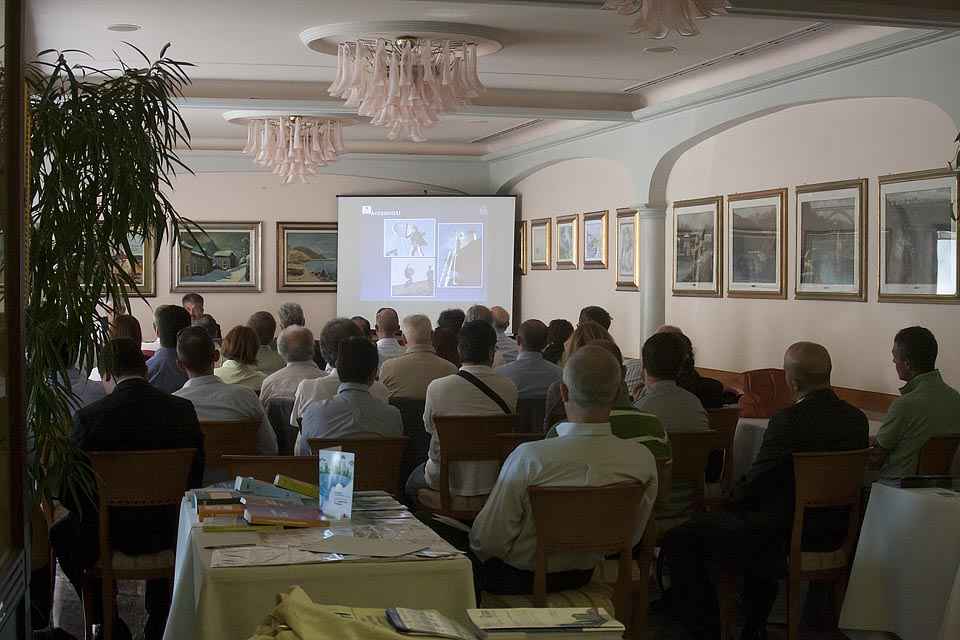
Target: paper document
x=267 y=556
x=559 y=618
x=336 y=483
x=427 y=622
x=366 y=547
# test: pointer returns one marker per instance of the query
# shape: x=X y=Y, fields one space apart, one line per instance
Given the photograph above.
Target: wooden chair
x=133 y=479
x=266 y=468
x=724 y=420
x=664 y=483
x=936 y=456
x=228 y=437
x=278 y=413
x=691 y=451
x=510 y=441
x=530 y=415
x=418 y=445
x=377 y=464
x=463 y=439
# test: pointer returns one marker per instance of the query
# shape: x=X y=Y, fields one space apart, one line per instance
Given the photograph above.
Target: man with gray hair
x=586 y=453
x=409 y=375
x=479 y=312
x=295 y=345
x=291 y=313
x=507 y=348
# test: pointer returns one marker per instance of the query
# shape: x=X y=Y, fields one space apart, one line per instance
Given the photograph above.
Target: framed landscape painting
x=595 y=240
x=567 y=244
x=628 y=245
x=307 y=256
x=756 y=240
x=540 y=243
x=831 y=241
x=697 y=247
x=143 y=269
x=521 y=247
x=918 y=237
x=216 y=256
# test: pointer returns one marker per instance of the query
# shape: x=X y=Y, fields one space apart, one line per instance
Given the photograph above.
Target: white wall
x=260 y=196
x=847 y=139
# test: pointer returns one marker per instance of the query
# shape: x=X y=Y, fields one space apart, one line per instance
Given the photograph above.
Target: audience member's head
x=196 y=352
x=333 y=333
x=585 y=333
x=914 y=352
x=169 y=320
x=479 y=312
x=264 y=326
x=663 y=357
x=596 y=314
x=451 y=319
x=559 y=331
x=614 y=350
x=295 y=344
x=241 y=345
x=193 y=303
x=445 y=344
x=501 y=318
x=806 y=366
x=689 y=362
x=357 y=361
x=211 y=326
x=591 y=384
x=126 y=326
x=388 y=323
x=121 y=358
x=669 y=328
x=364 y=325
x=477 y=342
x=291 y=313
x=417 y=330
x=532 y=336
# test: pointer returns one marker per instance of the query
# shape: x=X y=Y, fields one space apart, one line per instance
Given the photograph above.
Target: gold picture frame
x=541 y=238
x=568 y=243
x=921 y=181
x=700 y=232
x=593 y=246
x=628 y=249
x=304 y=261
x=520 y=247
x=223 y=256
x=754 y=242
x=831 y=198
x=146 y=287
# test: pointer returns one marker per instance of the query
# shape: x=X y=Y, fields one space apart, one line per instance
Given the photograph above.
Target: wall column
x=652 y=268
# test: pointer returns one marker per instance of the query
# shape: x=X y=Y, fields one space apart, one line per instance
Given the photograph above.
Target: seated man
x=353 y=411
x=451 y=319
x=753 y=538
x=214 y=399
x=677 y=408
x=268 y=360
x=507 y=348
x=478 y=312
x=388 y=324
x=707 y=390
x=291 y=314
x=295 y=345
x=409 y=375
x=586 y=453
x=927 y=406
x=475 y=390
x=133 y=416
x=162 y=369
x=529 y=371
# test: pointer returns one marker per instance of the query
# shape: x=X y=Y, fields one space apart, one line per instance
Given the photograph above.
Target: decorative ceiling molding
x=327 y=37
x=928 y=14
x=507 y=132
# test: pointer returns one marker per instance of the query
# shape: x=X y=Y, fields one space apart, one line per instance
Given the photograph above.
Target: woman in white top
x=240 y=359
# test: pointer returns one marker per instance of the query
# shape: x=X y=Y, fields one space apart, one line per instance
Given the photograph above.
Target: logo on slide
x=366 y=210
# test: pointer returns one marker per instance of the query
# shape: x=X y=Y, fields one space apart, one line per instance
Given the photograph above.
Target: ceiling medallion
x=659 y=17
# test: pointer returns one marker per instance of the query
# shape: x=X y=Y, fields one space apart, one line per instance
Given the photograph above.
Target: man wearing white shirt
x=295 y=345
x=212 y=398
x=457 y=395
x=507 y=347
x=388 y=324
x=586 y=454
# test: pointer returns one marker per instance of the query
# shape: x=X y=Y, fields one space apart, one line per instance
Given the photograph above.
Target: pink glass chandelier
x=294 y=146
x=659 y=17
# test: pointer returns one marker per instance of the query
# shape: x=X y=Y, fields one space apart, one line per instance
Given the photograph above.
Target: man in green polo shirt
x=927 y=406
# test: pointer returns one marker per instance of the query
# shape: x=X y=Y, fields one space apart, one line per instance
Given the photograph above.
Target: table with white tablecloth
x=226 y=603
x=906 y=575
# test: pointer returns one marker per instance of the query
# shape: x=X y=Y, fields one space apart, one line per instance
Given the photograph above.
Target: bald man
x=507 y=348
x=754 y=537
x=388 y=324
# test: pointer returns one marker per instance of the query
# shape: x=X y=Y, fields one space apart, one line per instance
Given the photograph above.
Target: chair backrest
x=664 y=483
x=418 y=447
x=228 y=437
x=765 y=392
x=724 y=420
x=377 y=463
x=936 y=456
x=510 y=441
x=266 y=468
x=530 y=415
x=278 y=413
x=691 y=450
x=586 y=520
x=468 y=439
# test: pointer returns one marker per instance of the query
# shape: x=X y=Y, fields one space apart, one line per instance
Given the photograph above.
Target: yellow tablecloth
x=229 y=603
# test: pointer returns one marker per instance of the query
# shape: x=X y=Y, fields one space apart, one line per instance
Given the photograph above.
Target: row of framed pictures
x=227 y=256
x=745 y=244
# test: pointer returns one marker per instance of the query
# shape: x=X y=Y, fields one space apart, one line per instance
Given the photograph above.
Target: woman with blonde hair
x=239 y=366
x=585 y=333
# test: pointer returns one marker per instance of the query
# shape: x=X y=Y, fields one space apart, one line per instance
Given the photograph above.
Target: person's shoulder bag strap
x=490 y=393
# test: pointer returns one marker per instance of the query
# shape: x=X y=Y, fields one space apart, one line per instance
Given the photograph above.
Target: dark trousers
x=415 y=481
x=77 y=549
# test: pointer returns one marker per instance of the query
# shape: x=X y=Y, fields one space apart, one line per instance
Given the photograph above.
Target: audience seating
x=266 y=468
x=418 y=445
x=377 y=464
x=691 y=452
x=510 y=441
x=132 y=479
x=936 y=456
x=724 y=420
x=228 y=437
x=530 y=415
x=463 y=439
x=765 y=392
x=664 y=484
x=278 y=413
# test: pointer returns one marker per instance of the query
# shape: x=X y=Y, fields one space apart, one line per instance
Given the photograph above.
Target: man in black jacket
x=753 y=538
x=134 y=416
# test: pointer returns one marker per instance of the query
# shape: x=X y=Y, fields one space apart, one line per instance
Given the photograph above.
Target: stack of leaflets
x=522 y=624
x=252 y=486
x=286 y=515
x=216 y=502
x=427 y=622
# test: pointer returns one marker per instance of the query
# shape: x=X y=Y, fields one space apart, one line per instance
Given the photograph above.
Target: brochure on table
x=336 y=483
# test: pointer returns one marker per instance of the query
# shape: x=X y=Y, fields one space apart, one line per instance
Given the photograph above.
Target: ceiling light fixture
x=659 y=17
x=123 y=27
x=293 y=146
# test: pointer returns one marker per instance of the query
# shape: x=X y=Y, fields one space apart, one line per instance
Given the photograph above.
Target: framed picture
x=216 y=256
x=918 y=237
x=144 y=269
x=698 y=247
x=567 y=244
x=307 y=256
x=628 y=254
x=595 y=240
x=831 y=241
x=540 y=243
x=521 y=247
x=756 y=241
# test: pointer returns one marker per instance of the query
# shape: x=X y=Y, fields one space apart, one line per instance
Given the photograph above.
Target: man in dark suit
x=752 y=539
x=133 y=416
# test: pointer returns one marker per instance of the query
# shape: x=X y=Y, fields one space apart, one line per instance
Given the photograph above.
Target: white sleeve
x=499 y=523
